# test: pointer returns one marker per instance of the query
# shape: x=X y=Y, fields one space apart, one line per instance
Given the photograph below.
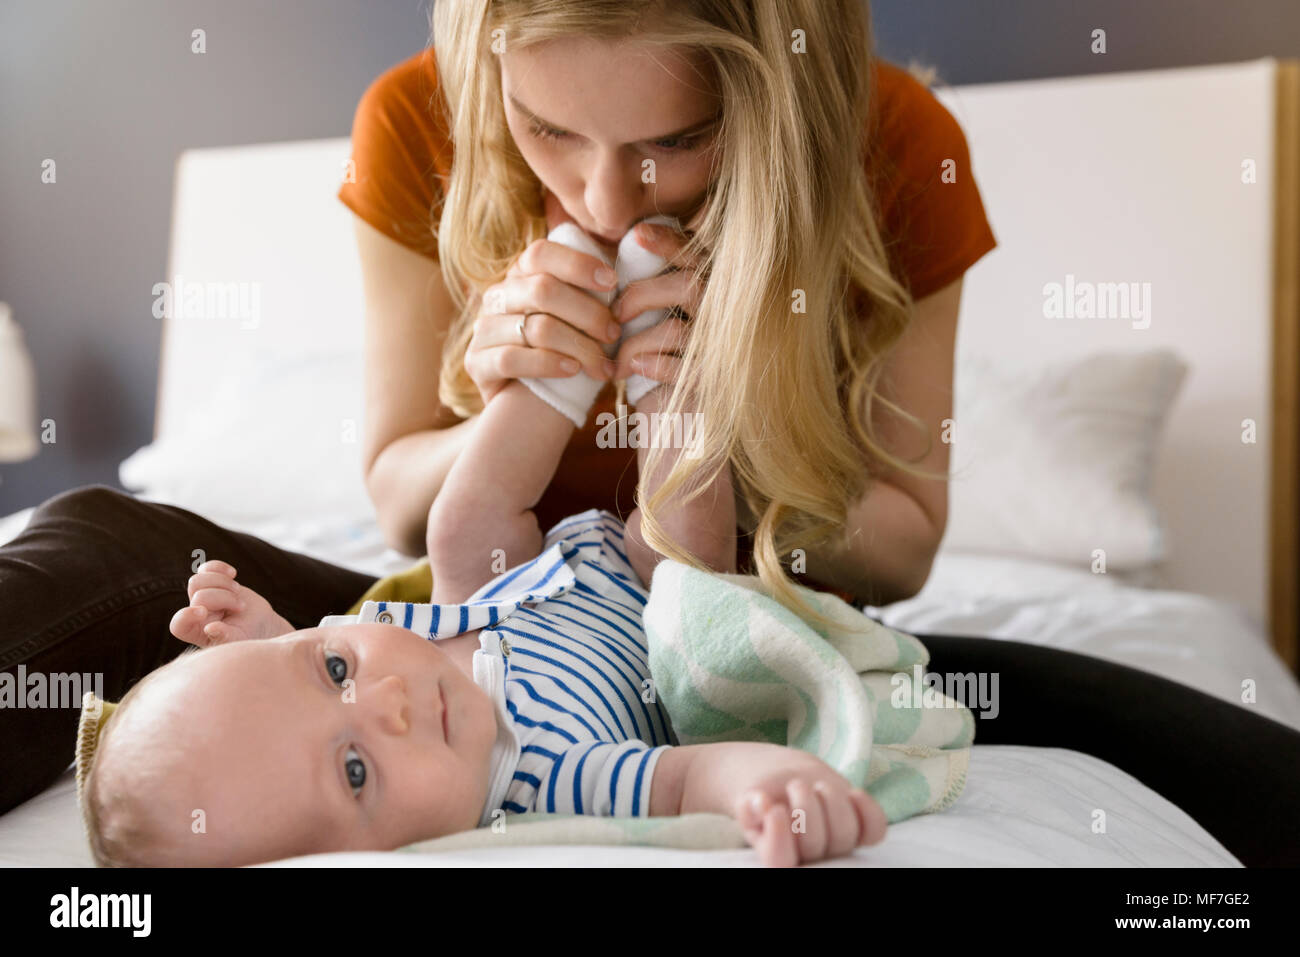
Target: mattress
x=1022 y=806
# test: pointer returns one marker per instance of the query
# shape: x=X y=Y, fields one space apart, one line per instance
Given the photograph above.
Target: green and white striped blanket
x=730 y=663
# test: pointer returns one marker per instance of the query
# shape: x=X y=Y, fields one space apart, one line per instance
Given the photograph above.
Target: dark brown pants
x=91 y=584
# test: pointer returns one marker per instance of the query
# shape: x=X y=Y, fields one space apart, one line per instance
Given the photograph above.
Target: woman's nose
x=613 y=198
x=390 y=705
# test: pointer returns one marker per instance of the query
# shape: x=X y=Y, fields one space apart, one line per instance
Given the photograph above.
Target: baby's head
x=327 y=739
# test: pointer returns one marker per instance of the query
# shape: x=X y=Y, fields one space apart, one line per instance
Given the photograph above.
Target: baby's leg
x=482 y=521
x=704 y=526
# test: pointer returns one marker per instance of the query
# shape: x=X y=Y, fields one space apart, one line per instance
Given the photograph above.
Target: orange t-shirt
x=934 y=232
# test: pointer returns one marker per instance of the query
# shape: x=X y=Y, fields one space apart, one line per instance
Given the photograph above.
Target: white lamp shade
x=17 y=393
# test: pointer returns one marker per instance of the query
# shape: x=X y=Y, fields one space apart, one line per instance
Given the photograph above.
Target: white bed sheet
x=1022 y=806
x=1207 y=643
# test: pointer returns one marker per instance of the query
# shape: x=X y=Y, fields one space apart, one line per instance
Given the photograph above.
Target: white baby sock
x=634 y=263
x=573 y=395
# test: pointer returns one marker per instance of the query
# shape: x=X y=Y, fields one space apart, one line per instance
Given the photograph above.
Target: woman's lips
x=595 y=234
x=609 y=246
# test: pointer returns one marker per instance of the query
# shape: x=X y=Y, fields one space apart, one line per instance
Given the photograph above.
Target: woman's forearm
x=405 y=478
x=886 y=553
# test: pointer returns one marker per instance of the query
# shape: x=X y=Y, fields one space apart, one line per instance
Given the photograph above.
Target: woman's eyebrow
x=693 y=128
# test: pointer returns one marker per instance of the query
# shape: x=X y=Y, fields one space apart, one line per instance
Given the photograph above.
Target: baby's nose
x=390 y=704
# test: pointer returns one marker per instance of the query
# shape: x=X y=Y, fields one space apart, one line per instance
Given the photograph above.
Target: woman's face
x=614 y=130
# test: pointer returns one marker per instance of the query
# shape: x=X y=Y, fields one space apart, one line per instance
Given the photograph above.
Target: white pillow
x=1054 y=462
x=282 y=441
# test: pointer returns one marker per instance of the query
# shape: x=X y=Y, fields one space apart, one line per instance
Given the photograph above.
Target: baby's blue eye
x=353 y=766
x=356 y=769
x=336 y=666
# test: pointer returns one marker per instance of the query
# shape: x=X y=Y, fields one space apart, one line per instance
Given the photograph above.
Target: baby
x=512 y=691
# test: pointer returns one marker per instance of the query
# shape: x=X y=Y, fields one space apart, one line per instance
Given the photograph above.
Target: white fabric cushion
x=1055 y=461
x=282 y=442
x=1049 y=464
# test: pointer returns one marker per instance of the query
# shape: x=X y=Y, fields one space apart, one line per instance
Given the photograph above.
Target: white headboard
x=1117 y=177
x=1137 y=177
x=265 y=216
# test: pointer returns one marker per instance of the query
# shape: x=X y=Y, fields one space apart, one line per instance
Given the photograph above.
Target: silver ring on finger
x=520 y=326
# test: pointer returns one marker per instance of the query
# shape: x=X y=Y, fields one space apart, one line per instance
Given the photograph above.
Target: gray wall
x=110 y=90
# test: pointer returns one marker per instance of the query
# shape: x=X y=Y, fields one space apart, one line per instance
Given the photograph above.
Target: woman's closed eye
x=672 y=144
x=354 y=767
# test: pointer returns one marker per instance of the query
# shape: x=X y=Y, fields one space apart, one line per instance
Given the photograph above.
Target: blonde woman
x=800 y=165
x=829 y=211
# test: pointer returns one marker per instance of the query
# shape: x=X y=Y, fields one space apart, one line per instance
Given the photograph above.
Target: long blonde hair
x=800 y=309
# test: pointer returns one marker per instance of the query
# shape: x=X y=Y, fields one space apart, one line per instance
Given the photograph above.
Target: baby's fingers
x=220 y=633
x=768 y=831
x=778 y=846
x=217 y=600
x=808 y=820
x=187 y=625
x=203 y=579
x=842 y=823
x=218 y=566
x=874 y=823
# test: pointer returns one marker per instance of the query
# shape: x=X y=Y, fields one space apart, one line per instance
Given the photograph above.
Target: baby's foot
x=221 y=610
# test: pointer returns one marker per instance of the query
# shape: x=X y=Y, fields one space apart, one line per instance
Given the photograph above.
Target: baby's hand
x=807 y=814
x=221 y=610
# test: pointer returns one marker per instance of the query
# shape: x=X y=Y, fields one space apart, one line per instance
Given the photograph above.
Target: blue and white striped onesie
x=564 y=657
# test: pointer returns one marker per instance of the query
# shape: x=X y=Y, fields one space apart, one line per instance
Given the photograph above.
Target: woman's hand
x=656 y=352
x=566 y=327
x=221 y=610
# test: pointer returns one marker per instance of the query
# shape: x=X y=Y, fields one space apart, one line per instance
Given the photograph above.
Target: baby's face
x=324 y=739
